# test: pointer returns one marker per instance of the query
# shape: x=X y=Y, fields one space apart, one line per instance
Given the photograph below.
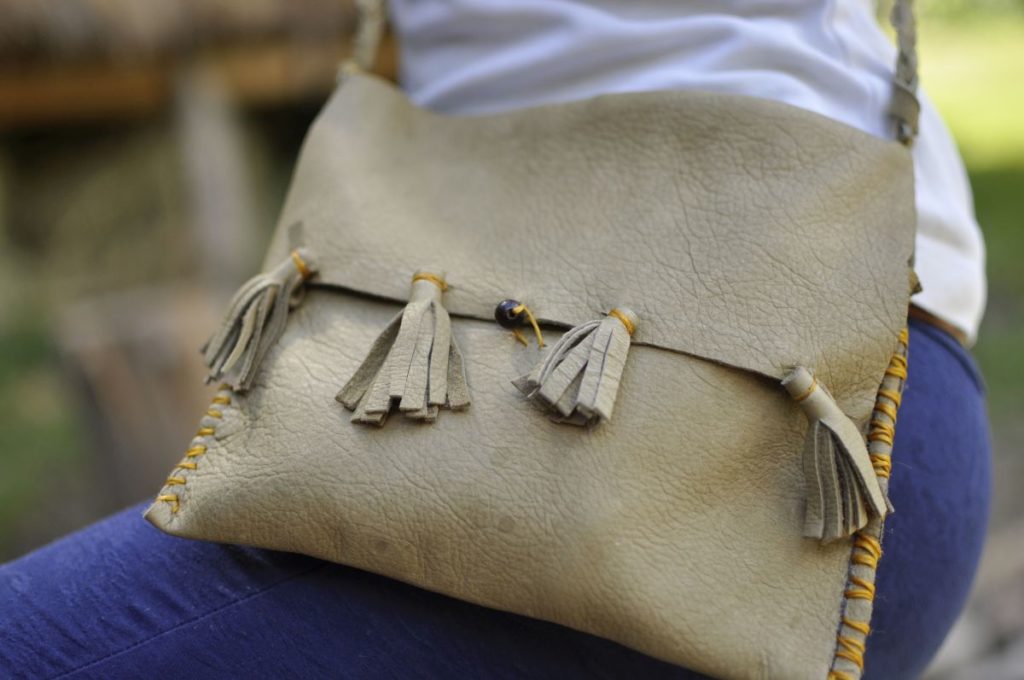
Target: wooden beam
x=273 y=73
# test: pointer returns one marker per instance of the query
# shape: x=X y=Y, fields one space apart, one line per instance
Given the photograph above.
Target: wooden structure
x=69 y=61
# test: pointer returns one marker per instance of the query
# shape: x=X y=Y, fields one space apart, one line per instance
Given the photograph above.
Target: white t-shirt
x=468 y=57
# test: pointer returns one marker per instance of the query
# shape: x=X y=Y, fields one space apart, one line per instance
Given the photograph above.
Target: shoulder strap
x=371 y=22
x=904 y=107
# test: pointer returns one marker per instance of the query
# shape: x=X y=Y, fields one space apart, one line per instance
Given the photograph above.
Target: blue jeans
x=122 y=600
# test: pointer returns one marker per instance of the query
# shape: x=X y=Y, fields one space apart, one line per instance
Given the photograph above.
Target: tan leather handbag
x=730 y=273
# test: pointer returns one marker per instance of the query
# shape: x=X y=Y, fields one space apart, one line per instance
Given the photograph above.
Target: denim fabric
x=122 y=600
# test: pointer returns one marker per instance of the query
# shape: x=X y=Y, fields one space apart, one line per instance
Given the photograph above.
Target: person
x=120 y=599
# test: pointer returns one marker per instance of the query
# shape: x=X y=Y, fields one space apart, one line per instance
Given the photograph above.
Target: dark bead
x=509 y=314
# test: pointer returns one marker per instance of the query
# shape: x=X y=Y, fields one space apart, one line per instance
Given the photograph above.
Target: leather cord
x=370 y=29
x=903 y=106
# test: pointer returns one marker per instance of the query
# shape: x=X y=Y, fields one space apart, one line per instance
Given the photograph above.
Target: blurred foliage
x=969 y=9
x=972 y=71
x=40 y=436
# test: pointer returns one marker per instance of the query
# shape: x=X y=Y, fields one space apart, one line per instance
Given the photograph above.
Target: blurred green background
x=122 y=207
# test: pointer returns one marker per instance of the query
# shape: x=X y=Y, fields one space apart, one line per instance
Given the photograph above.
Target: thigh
x=940 y=487
x=121 y=599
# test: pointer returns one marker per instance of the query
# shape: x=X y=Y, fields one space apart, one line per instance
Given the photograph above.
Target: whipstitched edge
x=197 y=449
x=859 y=594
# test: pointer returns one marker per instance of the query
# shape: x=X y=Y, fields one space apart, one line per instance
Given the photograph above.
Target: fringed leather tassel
x=842 y=488
x=414 y=362
x=255 y=320
x=579 y=378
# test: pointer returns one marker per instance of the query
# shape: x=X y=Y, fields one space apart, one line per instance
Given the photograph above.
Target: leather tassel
x=255 y=320
x=578 y=380
x=414 y=363
x=842 y=488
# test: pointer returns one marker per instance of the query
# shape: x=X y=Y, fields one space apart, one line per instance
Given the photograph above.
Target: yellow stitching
x=871 y=550
x=171 y=498
x=887 y=409
x=865 y=590
x=809 y=391
x=301 y=265
x=882 y=465
x=892 y=395
x=857 y=657
x=881 y=432
x=433 y=278
x=198 y=449
x=630 y=326
x=852 y=649
x=867 y=549
x=858 y=626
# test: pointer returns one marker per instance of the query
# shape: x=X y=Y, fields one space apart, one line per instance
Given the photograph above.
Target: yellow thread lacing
x=523 y=309
x=626 y=321
x=171 y=498
x=882 y=465
x=809 y=391
x=301 y=265
x=891 y=395
x=886 y=408
x=433 y=278
x=867 y=549
x=858 y=626
x=864 y=590
x=851 y=650
x=883 y=422
x=199 y=449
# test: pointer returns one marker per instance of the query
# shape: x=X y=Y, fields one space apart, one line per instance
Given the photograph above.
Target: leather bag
x=731 y=274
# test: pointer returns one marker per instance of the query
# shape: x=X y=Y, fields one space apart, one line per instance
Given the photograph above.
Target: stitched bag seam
x=205 y=436
x=866 y=549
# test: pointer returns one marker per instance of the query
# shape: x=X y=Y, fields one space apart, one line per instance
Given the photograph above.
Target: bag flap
x=740 y=230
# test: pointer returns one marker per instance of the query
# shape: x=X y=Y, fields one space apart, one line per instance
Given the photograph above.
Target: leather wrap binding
x=859 y=595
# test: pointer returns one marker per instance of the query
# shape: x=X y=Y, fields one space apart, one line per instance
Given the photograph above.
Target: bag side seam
x=859 y=593
x=200 y=444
